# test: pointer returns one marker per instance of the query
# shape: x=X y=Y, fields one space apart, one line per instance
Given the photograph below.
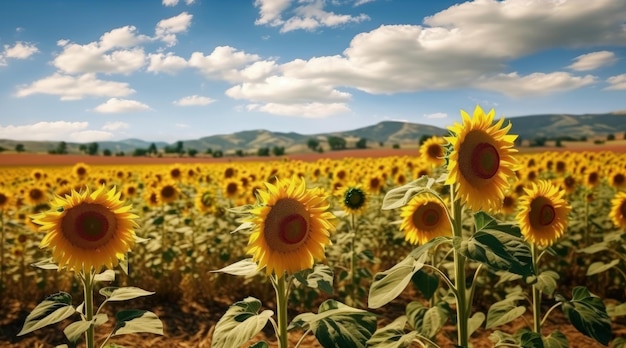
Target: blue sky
x=83 y=71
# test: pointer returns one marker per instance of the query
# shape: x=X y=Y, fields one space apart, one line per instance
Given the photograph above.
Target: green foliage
x=587 y=313
x=218 y=154
x=396 y=146
x=263 y=151
x=53 y=309
x=106 y=152
x=336 y=143
x=278 y=150
x=312 y=144
x=140 y=152
x=20 y=148
x=361 y=144
x=92 y=149
x=192 y=152
x=241 y=322
x=239 y=153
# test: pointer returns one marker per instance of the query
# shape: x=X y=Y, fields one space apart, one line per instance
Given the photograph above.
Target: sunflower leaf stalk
x=462 y=308
x=87 y=279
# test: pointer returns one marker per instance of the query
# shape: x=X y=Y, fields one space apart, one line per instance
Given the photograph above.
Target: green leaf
x=158 y=221
x=400 y=196
x=74 y=330
x=616 y=310
x=106 y=276
x=475 y=322
x=500 y=248
x=555 y=340
x=588 y=315
x=123 y=294
x=52 y=310
x=392 y=336
x=505 y=311
x=546 y=282
x=415 y=312
x=260 y=344
x=320 y=277
x=338 y=325
x=599 y=267
x=594 y=248
x=434 y=319
x=530 y=339
x=46 y=264
x=136 y=320
x=240 y=323
x=245 y=267
x=389 y=284
x=619 y=342
x=426 y=283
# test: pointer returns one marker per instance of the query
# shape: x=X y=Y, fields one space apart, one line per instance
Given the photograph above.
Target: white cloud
x=306 y=110
x=224 y=60
x=20 y=50
x=190 y=2
x=87 y=136
x=117 y=125
x=362 y=2
x=181 y=125
x=75 y=87
x=115 y=105
x=308 y=15
x=535 y=84
x=436 y=115
x=194 y=100
x=170 y=2
x=167 y=29
x=54 y=131
x=592 y=61
x=167 y=63
x=617 y=82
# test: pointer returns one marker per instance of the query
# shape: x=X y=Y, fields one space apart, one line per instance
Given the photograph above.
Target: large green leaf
x=616 y=310
x=74 y=330
x=499 y=246
x=400 y=196
x=338 y=325
x=123 y=294
x=240 y=323
x=137 y=320
x=587 y=313
x=389 y=284
x=529 y=339
x=52 y=310
x=426 y=283
x=546 y=282
x=555 y=340
x=260 y=344
x=505 y=311
x=106 y=276
x=320 y=277
x=599 y=267
x=427 y=321
x=392 y=335
x=245 y=267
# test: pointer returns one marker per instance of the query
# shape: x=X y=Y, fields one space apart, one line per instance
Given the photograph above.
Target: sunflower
x=353 y=199
x=88 y=230
x=81 y=170
x=618 y=210
x=423 y=219
x=205 y=201
x=167 y=192
x=543 y=213
x=176 y=173
x=231 y=188
x=36 y=195
x=432 y=151
x=38 y=174
x=481 y=160
x=509 y=203
x=291 y=227
x=618 y=180
x=5 y=199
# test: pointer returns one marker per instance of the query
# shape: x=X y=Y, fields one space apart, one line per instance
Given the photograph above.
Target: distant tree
x=312 y=144
x=92 y=148
x=263 y=151
x=20 y=148
x=140 y=152
x=336 y=143
x=381 y=144
x=152 y=149
x=361 y=144
x=218 y=154
x=2 y=149
x=239 y=152
x=320 y=149
x=583 y=138
x=169 y=149
x=610 y=137
x=539 y=141
x=278 y=150
x=61 y=148
x=192 y=152
x=558 y=143
x=120 y=154
x=180 y=148
x=396 y=146
x=624 y=135
x=106 y=152
x=209 y=151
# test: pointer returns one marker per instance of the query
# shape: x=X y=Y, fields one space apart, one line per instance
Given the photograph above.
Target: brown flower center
x=619 y=179
x=231 y=188
x=3 y=199
x=542 y=212
x=427 y=216
x=168 y=191
x=435 y=151
x=35 y=194
x=485 y=160
x=293 y=229
x=286 y=225
x=622 y=210
x=88 y=225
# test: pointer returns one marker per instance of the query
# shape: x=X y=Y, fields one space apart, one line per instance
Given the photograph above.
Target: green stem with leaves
x=88 y=282
x=1 y=250
x=280 y=285
x=459 y=273
x=536 y=294
x=353 y=258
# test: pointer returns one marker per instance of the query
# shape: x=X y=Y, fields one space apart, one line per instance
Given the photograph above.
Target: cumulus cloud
x=224 y=60
x=115 y=106
x=436 y=115
x=592 y=61
x=617 y=82
x=20 y=50
x=308 y=15
x=117 y=125
x=56 y=130
x=167 y=29
x=75 y=87
x=167 y=63
x=170 y=2
x=535 y=84
x=194 y=100
x=306 y=110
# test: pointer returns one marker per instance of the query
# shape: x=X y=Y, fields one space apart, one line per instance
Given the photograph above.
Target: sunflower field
x=467 y=243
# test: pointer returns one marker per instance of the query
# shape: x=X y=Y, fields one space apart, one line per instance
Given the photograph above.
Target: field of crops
x=383 y=258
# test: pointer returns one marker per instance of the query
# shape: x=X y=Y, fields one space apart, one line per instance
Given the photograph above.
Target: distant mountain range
x=550 y=126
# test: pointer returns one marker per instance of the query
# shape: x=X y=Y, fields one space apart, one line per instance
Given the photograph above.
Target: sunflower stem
x=281 y=308
x=88 y=290
x=462 y=307
x=353 y=259
x=536 y=295
x=1 y=251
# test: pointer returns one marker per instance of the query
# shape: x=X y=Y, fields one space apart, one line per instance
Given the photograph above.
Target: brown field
x=35 y=159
